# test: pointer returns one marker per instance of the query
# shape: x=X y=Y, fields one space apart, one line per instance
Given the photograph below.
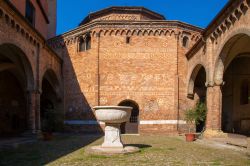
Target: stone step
x=237 y=140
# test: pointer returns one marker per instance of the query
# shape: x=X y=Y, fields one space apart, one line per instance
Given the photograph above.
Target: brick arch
x=117 y=32
x=133 y=125
x=192 y=77
x=111 y=32
x=93 y=33
x=139 y=33
x=145 y=32
x=129 y=100
x=134 y=32
x=20 y=59
x=123 y=32
x=172 y=33
x=54 y=80
x=132 y=100
x=150 y=33
x=222 y=53
x=106 y=32
x=156 y=33
x=101 y=32
x=161 y=33
x=167 y=33
x=128 y=33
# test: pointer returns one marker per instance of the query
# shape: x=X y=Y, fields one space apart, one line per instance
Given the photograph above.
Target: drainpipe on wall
x=177 y=75
x=98 y=68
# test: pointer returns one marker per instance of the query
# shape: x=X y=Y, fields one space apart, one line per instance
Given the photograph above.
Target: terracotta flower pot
x=47 y=136
x=190 y=137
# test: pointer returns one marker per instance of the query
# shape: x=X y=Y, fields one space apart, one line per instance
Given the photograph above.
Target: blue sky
x=196 y=12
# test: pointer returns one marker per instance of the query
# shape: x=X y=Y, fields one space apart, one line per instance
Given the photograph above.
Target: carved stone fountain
x=113 y=116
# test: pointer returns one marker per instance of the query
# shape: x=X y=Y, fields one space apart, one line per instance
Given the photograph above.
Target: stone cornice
x=126 y=25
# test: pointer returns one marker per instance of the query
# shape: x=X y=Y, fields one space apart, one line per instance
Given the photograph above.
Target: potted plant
x=193 y=117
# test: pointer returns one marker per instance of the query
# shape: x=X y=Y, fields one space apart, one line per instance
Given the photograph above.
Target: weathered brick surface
x=40 y=21
x=153 y=69
x=28 y=52
x=150 y=70
x=226 y=38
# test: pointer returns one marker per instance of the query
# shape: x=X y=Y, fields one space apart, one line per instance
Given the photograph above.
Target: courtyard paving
x=69 y=150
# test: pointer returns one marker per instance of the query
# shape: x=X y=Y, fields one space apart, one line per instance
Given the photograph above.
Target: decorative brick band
x=142 y=122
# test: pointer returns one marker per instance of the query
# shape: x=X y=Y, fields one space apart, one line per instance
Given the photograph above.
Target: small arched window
x=244 y=92
x=81 y=44
x=88 y=42
x=185 y=41
x=84 y=43
x=127 y=40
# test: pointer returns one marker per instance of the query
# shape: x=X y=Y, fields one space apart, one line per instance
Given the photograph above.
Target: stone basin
x=112 y=114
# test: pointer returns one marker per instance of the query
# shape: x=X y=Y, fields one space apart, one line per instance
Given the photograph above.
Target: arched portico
x=197 y=89
x=51 y=96
x=16 y=85
x=200 y=71
x=226 y=112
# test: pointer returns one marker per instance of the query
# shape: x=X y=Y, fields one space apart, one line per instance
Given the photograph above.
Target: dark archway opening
x=200 y=91
x=50 y=111
x=236 y=96
x=233 y=68
x=13 y=104
x=130 y=127
x=16 y=79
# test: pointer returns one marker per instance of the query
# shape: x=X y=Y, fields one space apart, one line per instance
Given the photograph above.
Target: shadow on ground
x=44 y=152
x=140 y=146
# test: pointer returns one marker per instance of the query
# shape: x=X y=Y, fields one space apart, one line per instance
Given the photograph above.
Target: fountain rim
x=111 y=107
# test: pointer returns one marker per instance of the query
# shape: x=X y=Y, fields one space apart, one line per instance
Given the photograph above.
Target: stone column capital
x=214 y=84
x=219 y=82
x=209 y=84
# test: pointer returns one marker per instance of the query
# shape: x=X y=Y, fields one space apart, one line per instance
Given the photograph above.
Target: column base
x=210 y=133
x=29 y=133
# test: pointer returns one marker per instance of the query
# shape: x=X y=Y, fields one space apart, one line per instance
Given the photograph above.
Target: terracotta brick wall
x=40 y=22
x=143 y=70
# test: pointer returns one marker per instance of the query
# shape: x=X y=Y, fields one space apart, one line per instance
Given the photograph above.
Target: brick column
x=214 y=111
x=31 y=96
x=38 y=116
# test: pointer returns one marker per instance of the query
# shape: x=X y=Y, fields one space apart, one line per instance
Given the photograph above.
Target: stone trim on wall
x=142 y=122
x=119 y=28
x=162 y=122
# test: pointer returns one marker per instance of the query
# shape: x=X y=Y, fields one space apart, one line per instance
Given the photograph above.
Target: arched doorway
x=198 y=90
x=51 y=105
x=16 y=79
x=233 y=67
x=131 y=127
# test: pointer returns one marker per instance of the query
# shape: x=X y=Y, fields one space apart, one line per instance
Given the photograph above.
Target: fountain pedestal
x=112 y=116
x=112 y=138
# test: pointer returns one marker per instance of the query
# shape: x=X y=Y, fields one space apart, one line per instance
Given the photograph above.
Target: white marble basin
x=112 y=114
